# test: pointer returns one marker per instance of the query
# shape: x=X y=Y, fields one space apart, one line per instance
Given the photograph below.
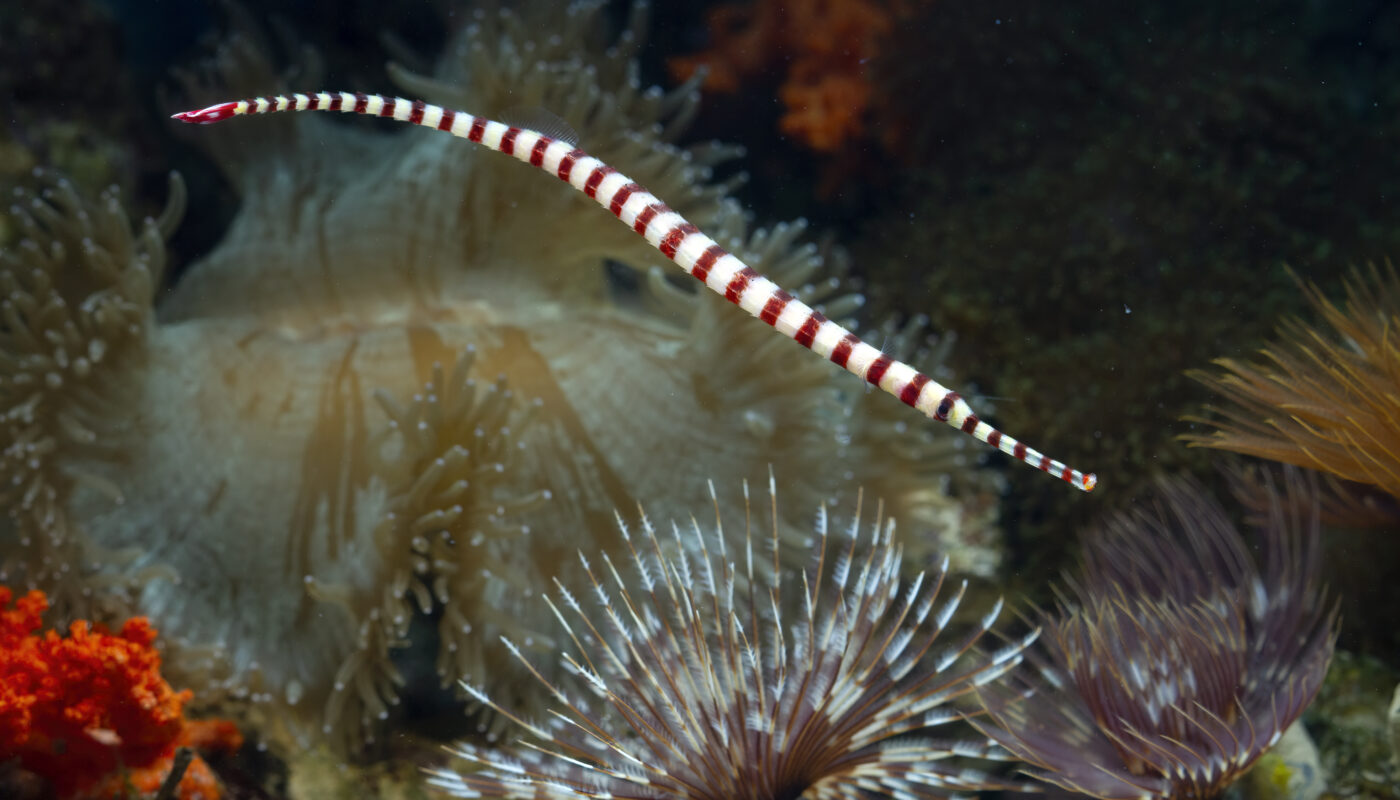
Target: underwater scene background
x=342 y=458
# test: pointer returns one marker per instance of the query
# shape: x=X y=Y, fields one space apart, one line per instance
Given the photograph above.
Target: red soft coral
x=81 y=709
x=825 y=46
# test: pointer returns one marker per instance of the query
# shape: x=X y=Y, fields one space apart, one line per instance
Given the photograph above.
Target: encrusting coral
x=721 y=677
x=390 y=391
x=1174 y=661
x=90 y=712
x=1327 y=400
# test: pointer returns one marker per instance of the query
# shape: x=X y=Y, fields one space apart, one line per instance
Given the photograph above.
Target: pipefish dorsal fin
x=537 y=118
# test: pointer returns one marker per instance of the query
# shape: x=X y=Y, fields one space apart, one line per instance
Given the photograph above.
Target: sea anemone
x=386 y=396
x=1325 y=400
x=706 y=680
x=76 y=317
x=1174 y=662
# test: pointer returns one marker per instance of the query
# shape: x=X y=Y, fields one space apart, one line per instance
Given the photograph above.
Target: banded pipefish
x=681 y=242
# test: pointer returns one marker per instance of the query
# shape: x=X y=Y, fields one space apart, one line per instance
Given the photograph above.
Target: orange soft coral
x=826 y=45
x=90 y=712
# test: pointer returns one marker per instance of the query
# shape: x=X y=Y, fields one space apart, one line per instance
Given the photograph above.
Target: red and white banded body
x=678 y=240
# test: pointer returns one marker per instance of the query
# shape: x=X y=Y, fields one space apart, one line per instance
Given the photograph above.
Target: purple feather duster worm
x=1175 y=661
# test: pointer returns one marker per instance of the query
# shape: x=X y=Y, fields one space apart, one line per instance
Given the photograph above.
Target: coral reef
x=391 y=394
x=1174 y=661
x=700 y=677
x=1322 y=399
x=90 y=712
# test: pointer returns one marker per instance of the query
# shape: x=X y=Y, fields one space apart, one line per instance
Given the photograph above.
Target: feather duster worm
x=1325 y=400
x=386 y=393
x=1176 y=661
x=701 y=680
